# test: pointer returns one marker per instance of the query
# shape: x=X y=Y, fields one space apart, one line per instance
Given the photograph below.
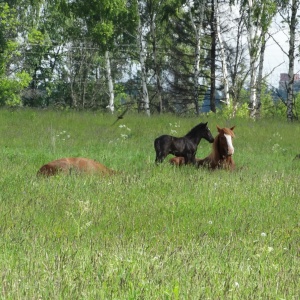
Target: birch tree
x=155 y=8
x=142 y=61
x=237 y=61
x=293 y=21
x=288 y=11
x=105 y=21
x=253 y=38
x=258 y=17
x=150 y=26
x=111 y=105
x=267 y=11
x=213 y=35
x=223 y=56
x=196 y=14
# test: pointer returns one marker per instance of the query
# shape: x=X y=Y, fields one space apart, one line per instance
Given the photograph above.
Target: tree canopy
x=159 y=56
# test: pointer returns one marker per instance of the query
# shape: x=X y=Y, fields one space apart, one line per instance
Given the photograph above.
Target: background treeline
x=152 y=56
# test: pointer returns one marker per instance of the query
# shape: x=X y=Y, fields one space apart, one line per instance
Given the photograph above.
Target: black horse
x=185 y=146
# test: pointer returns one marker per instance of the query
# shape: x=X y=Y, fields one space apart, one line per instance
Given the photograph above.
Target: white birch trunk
x=253 y=98
x=111 y=105
x=197 y=30
x=156 y=66
x=223 y=58
x=145 y=97
x=253 y=52
x=260 y=74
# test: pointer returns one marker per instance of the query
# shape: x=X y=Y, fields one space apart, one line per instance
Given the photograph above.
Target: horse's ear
x=219 y=129
x=232 y=128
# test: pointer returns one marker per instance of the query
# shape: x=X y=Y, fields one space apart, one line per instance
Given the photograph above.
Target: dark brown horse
x=185 y=146
x=74 y=165
x=221 y=155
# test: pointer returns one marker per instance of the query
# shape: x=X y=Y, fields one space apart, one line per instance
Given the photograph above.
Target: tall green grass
x=150 y=232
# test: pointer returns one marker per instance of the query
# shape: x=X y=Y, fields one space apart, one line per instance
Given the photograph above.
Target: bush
x=11 y=88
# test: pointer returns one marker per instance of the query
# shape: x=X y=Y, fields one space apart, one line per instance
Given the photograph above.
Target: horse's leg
x=205 y=162
x=160 y=157
x=190 y=159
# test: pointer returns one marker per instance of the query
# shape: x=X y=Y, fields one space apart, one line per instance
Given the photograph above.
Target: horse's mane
x=194 y=131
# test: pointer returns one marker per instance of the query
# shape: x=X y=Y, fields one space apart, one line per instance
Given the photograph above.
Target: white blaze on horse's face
x=229 y=144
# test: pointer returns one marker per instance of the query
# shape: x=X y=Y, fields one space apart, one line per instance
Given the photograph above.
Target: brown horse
x=222 y=151
x=76 y=165
x=180 y=161
x=221 y=155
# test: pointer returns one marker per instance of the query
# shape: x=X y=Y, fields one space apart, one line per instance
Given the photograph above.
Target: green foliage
x=231 y=111
x=150 y=232
x=120 y=96
x=8 y=23
x=102 y=32
x=270 y=108
x=105 y=21
x=36 y=37
x=297 y=105
x=11 y=88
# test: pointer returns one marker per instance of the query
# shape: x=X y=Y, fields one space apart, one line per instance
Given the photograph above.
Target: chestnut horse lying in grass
x=221 y=155
x=74 y=165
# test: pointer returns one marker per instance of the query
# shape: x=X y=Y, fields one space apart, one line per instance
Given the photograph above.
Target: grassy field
x=151 y=232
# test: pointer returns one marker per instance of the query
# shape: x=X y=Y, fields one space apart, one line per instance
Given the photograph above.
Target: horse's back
x=77 y=164
x=162 y=140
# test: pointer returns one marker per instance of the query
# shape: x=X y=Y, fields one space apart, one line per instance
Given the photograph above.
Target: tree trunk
x=290 y=115
x=197 y=29
x=111 y=105
x=145 y=97
x=260 y=76
x=213 y=59
x=156 y=66
x=253 y=52
x=223 y=57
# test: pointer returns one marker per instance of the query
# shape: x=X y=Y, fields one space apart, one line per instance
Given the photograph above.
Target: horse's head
x=224 y=141
x=198 y=132
x=207 y=134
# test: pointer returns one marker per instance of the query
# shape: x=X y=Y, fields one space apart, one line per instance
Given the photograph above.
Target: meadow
x=150 y=232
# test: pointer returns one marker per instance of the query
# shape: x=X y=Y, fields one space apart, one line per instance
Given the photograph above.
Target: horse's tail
x=158 y=150
x=77 y=164
x=157 y=146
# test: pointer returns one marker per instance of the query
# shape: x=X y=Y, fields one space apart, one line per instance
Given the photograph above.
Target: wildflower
x=236 y=284
x=88 y=224
x=210 y=222
x=263 y=234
